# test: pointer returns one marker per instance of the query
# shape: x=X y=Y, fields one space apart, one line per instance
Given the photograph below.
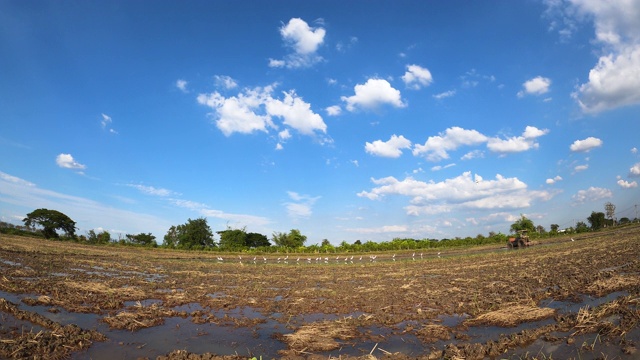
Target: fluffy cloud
x=615 y=80
x=66 y=161
x=591 y=194
x=436 y=147
x=585 y=145
x=304 y=41
x=634 y=170
x=554 y=180
x=515 y=144
x=301 y=205
x=462 y=192
x=580 y=168
x=392 y=148
x=334 y=110
x=536 y=86
x=417 y=77
x=372 y=94
x=253 y=110
x=296 y=113
x=627 y=185
x=182 y=85
x=224 y=81
x=238 y=113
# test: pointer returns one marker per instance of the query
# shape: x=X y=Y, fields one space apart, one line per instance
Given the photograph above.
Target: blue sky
x=350 y=120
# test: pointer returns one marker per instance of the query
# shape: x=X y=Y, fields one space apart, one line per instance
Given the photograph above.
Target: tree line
x=196 y=234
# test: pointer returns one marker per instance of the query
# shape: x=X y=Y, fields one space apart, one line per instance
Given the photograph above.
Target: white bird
x=572 y=239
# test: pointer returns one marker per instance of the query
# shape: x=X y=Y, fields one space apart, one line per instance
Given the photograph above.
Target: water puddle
x=247 y=332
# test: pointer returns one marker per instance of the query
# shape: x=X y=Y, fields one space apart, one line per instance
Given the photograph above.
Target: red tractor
x=520 y=241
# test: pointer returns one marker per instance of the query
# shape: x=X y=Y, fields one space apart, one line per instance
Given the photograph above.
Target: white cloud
x=301 y=205
x=226 y=82
x=182 y=85
x=615 y=80
x=474 y=154
x=238 y=113
x=106 y=122
x=462 y=192
x=391 y=148
x=444 y=95
x=275 y=63
x=24 y=194
x=627 y=185
x=334 y=110
x=613 y=83
x=580 y=168
x=284 y=134
x=634 y=150
x=296 y=113
x=585 y=145
x=372 y=94
x=150 y=190
x=536 y=86
x=252 y=110
x=515 y=144
x=238 y=220
x=635 y=170
x=436 y=147
x=439 y=167
x=591 y=194
x=417 y=77
x=304 y=41
x=380 y=230
x=279 y=146
x=554 y=180
x=66 y=161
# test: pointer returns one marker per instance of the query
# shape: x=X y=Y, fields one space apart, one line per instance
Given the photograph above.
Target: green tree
x=255 y=240
x=581 y=227
x=293 y=239
x=192 y=234
x=142 y=239
x=597 y=220
x=523 y=224
x=51 y=221
x=233 y=239
x=554 y=228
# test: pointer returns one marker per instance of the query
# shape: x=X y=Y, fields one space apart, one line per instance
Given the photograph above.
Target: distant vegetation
x=197 y=235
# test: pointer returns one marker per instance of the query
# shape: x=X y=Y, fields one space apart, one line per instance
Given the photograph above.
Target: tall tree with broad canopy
x=142 y=239
x=523 y=224
x=597 y=220
x=293 y=239
x=51 y=221
x=194 y=233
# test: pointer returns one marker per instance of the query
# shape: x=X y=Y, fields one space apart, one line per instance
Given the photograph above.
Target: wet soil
x=559 y=299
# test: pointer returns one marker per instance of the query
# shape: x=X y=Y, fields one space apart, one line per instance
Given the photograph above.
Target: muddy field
x=563 y=299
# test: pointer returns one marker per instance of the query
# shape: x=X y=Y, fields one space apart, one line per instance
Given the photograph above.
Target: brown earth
x=485 y=286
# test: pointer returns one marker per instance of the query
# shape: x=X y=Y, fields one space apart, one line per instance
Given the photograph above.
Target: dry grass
x=512 y=315
x=320 y=336
x=614 y=283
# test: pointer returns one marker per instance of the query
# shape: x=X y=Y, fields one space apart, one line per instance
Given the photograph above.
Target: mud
x=559 y=299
